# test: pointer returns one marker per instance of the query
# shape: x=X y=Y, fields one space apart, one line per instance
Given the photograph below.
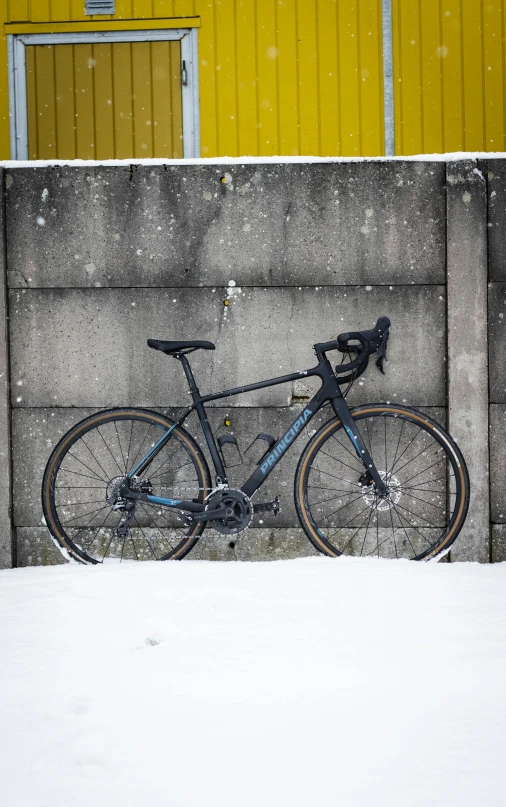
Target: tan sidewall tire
x=442 y=437
x=52 y=522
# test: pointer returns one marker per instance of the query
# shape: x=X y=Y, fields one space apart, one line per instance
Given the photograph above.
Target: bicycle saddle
x=175 y=347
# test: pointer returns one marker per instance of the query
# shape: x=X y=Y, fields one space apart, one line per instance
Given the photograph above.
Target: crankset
x=230 y=511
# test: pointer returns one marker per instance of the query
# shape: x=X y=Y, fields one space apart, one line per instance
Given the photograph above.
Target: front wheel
x=426 y=478
x=88 y=466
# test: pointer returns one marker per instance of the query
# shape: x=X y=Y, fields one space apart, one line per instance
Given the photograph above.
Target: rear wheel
x=426 y=478
x=86 y=470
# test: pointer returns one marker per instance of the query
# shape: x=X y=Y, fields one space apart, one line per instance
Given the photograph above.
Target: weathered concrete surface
x=7 y=556
x=467 y=346
x=98 y=354
x=369 y=237
x=497 y=341
x=498 y=462
x=497 y=219
x=498 y=553
x=35 y=547
x=338 y=223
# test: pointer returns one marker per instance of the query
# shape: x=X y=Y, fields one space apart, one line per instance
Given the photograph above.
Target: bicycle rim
x=93 y=458
x=426 y=477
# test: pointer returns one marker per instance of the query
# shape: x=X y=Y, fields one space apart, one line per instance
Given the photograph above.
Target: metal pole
x=388 y=79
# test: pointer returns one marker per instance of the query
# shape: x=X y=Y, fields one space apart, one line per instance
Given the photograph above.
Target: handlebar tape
x=371 y=341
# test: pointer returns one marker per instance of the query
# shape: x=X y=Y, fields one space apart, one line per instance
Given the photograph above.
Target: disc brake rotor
x=394 y=493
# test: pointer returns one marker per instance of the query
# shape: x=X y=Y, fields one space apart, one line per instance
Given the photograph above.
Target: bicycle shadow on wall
x=376 y=480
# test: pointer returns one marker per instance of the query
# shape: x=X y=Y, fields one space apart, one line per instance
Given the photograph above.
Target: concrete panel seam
x=7 y=544
x=468 y=405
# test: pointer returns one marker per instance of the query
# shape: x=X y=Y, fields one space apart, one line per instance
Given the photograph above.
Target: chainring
x=239 y=511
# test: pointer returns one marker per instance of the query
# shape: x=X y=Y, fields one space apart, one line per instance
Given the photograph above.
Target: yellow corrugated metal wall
x=450 y=75
x=276 y=76
x=291 y=77
x=305 y=76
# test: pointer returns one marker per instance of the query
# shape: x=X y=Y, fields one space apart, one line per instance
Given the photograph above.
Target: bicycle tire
x=443 y=494
x=156 y=533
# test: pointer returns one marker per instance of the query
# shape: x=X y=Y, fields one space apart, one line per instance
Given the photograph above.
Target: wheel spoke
x=96 y=476
x=406 y=448
x=319 y=470
x=426 y=502
x=161 y=533
x=355 y=470
x=423 y=450
x=77 y=473
x=413 y=527
x=343 y=526
x=134 y=463
x=93 y=455
x=410 y=449
x=332 y=498
x=91 y=513
x=342 y=508
x=398 y=444
x=406 y=510
x=118 y=443
x=120 y=449
x=405 y=532
x=438 y=462
x=89 y=544
x=118 y=466
x=176 y=448
x=393 y=533
x=367 y=518
x=155 y=476
x=348 y=450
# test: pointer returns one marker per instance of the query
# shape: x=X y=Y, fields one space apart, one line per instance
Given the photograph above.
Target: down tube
x=271 y=460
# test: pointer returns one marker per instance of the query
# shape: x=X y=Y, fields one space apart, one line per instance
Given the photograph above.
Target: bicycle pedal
x=268 y=507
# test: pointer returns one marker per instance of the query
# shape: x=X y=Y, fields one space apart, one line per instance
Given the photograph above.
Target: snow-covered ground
x=357 y=683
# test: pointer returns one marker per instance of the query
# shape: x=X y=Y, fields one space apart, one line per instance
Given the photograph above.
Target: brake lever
x=382 y=351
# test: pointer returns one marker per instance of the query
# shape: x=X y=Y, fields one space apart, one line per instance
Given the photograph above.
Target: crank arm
x=268 y=507
x=211 y=515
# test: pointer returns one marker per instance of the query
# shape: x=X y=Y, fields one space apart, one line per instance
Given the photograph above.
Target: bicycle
x=378 y=479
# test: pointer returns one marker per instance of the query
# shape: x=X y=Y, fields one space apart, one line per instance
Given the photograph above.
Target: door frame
x=18 y=110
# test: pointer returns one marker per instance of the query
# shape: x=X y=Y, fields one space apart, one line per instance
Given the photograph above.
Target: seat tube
x=343 y=413
x=206 y=428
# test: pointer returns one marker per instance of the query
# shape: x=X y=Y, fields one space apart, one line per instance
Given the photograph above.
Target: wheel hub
x=113 y=493
x=239 y=511
x=390 y=499
x=116 y=490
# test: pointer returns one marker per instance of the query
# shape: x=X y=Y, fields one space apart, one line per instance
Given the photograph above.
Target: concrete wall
x=100 y=259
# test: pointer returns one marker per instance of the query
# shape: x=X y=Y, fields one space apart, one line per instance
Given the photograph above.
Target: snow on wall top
x=448 y=157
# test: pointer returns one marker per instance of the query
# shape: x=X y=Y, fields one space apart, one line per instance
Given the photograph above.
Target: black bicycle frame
x=329 y=391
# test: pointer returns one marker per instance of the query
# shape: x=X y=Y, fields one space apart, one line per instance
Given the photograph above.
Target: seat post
x=195 y=393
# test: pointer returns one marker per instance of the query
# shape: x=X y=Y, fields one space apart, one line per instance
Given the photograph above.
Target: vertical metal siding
x=99 y=101
x=276 y=76
x=449 y=67
x=305 y=76
x=291 y=77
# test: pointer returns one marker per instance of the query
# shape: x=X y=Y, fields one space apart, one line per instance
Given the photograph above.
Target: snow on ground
x=309 y=682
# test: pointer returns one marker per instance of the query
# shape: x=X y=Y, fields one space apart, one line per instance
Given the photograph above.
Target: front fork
x=343 y=413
